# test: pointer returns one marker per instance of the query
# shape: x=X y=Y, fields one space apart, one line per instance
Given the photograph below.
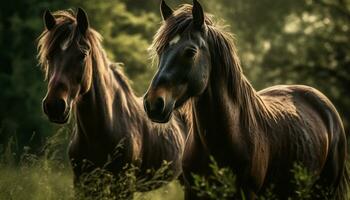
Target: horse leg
x=247 y=194
x=77 y=187
x=334 y=170
x=79 y=182
x=330 y=177
x=181 y=180
x=190 y=194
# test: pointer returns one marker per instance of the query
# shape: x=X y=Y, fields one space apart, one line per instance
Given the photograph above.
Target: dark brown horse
x=80 y=77
x=259 y=135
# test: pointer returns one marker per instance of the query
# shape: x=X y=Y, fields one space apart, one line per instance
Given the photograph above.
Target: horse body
x=307 y=123
x=110 y=116
x=262 y=135
x=300 y=126
x=112 y=129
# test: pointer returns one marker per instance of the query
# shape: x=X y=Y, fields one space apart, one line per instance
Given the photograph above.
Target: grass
x=49 y=177
x=38 y=183
x=219 y=185
x=34 y=183
x=44 y=179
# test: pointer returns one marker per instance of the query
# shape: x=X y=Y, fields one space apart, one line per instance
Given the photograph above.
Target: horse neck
x=223 y=113
x=107 y=106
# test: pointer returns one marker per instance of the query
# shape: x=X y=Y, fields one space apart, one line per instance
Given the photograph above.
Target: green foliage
x=50 y=177
x=220 y=184
x=304 y=42
x=20 y=80
x=126 y=34
x=317 y=41
x=37 y=177
x=279 y=42
x=126 y=38
x=303 y=181
x=293 y=42
x=101 y=184
x=305 y=186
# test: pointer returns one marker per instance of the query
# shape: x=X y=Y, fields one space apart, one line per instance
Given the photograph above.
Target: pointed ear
x=49 y=20
x=165 y=10
x=82 y=21
x=198 y=15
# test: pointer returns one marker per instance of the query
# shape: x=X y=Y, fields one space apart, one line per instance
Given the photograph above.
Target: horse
x=259 y=135
x=81 y=78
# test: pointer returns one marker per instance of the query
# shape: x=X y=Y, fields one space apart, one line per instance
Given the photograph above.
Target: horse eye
x=82 y=56
x=190 y=52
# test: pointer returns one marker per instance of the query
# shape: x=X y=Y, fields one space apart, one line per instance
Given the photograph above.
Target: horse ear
x=49 y=20
x=82 y=21
x=165 y=10
x=198 y=15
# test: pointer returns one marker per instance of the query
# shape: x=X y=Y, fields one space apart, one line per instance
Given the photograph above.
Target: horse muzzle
x=57 y=110
x=157 y=109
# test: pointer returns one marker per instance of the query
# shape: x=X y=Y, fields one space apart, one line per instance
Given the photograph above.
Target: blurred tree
x=314 y=49
x=127 y=36
x=20 y=79
x=294 y=42
x=279 y=41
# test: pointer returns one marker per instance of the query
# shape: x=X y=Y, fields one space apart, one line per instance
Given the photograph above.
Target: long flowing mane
x=224 y=60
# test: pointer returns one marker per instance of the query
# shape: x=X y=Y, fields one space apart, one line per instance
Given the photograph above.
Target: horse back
x=306 y=130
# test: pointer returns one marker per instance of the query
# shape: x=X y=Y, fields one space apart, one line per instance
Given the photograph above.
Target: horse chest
x=98 y=152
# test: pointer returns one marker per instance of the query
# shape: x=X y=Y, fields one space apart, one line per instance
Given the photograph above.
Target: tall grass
x=48 y=176
x=37 y=177
x=221 y=184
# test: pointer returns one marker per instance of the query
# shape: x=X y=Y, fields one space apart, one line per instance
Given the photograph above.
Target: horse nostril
x=155 y=107
x=60 y=105
x=54 y=107
x=159 y=105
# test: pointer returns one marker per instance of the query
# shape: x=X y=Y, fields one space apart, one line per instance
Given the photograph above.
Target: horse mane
x=224 y=59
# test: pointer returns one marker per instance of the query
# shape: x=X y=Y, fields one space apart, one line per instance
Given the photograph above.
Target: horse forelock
x=179 y=22
x=63 y=35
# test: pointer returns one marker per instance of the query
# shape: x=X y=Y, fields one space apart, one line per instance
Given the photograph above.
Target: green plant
x=220 y=184
x=303 y=181
x=49 y=176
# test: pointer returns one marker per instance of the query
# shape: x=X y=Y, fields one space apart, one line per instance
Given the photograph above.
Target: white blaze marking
x=65 y=44
x=174 y=40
